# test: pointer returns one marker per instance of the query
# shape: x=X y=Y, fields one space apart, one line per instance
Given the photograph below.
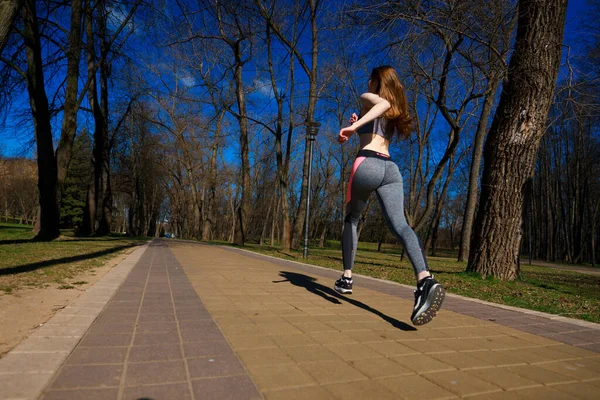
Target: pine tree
x=76 y=182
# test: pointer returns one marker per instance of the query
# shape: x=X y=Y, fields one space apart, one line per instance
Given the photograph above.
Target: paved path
x=562 y=267
x=192 y=321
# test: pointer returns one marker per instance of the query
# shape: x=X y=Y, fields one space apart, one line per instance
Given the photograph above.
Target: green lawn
x=26 y=263
x=565 y=293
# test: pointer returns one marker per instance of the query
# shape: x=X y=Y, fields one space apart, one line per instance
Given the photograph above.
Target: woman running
x=384 y=114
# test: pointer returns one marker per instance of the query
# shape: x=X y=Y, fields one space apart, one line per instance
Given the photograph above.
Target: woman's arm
x=375 y=105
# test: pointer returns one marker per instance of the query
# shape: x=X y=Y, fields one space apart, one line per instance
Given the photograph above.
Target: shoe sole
x=432 y=305
x=342 y=290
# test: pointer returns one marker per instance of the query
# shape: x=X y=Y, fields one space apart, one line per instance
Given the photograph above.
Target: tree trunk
x=243 y=209
x=49 y=211
x=9 y=9
x=512 y=143
x=71 y=106
x=472 y=191
x=104 y=225
x=310 y=115
x=89 y=214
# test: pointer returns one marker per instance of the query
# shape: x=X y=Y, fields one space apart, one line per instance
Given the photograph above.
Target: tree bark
x=244 y=207
x=49 y=212
x=210 y=219
x=512 y=143
x=71 y=105
x=310 y=115
x=9 y=9
x=472 y=191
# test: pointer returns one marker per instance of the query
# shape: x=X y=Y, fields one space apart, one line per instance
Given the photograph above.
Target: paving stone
x=46 y=344
x=157 y=352
x=303 y=393
x=259 y=357
x=206 y=349
x=156 y=327
x=326 y=372
x=575 y=351
x=226 y=388
x=23 y=385
x=361 y=390
x=579 y=390
x=79 y=394
x=166 y=317
x=460 y=360
x=422 y=363
x=392 y=348
x=293 y=340
x=105 y=340
x=155 y=372
x=461 y=383
x=224 y=365
x=538 y=374
x=179 y=391
x=97 y=355
x=357 y=351
x=543 y=392
x=502 y=378
x=54 y=330
x=376 y=368
x=577 y=369
x=280 y=376
x=250 y=341
x=512 y=395
x=32 y=362
x=303 y=354
x=415 y=387
x=112 y=327
x=88 y=376
x=500 y=358
x=192 y=315
x=200 y=335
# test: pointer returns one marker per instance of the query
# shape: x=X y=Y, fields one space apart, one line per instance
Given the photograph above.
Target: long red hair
x=390 y=88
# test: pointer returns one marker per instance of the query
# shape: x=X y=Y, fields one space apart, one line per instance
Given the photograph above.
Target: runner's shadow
x=310 y=284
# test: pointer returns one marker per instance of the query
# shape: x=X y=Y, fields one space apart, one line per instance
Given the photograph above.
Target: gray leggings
x=376 y=172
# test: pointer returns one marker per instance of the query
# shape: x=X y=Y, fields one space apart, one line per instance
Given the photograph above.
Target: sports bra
x=377 y=127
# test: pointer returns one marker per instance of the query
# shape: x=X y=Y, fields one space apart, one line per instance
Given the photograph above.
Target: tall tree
x=309 y=65
x=71 y=105
x=49 y=213
x=512 y=143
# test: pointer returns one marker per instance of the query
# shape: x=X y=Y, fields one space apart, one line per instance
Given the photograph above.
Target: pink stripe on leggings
x=357 y=162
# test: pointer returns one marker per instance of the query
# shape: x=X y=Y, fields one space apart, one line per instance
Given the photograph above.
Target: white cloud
x=263 y=87
x=188 y=80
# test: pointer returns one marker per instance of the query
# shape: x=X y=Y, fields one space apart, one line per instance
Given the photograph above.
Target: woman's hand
x=353 y=118
x=345 y=134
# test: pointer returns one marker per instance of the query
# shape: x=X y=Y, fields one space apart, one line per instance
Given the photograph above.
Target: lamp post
x=312 y=128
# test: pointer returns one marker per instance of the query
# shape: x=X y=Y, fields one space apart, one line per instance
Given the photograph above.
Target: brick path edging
x=28 y=368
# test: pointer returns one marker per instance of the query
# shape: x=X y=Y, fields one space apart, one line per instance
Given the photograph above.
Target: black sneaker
x=343 y=285
x=429 y=297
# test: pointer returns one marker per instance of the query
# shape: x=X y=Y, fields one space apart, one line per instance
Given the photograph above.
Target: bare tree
x=47 y=174
x=310 y=68
x=513 y=141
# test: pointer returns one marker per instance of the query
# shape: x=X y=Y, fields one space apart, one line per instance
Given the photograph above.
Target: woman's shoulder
x=371 y=99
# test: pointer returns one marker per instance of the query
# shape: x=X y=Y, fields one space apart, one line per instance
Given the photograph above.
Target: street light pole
x=312 y=128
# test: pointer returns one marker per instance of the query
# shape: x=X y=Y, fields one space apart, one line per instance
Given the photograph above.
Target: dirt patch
x=24 y=311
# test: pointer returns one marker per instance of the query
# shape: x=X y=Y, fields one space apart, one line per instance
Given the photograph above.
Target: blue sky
x=12 y=144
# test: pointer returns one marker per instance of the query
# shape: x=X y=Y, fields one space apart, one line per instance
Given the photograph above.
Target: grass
x=565 y=293
x=27 y=263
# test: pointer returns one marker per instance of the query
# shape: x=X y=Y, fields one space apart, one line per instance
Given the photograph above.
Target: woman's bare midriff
x=375 y=143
